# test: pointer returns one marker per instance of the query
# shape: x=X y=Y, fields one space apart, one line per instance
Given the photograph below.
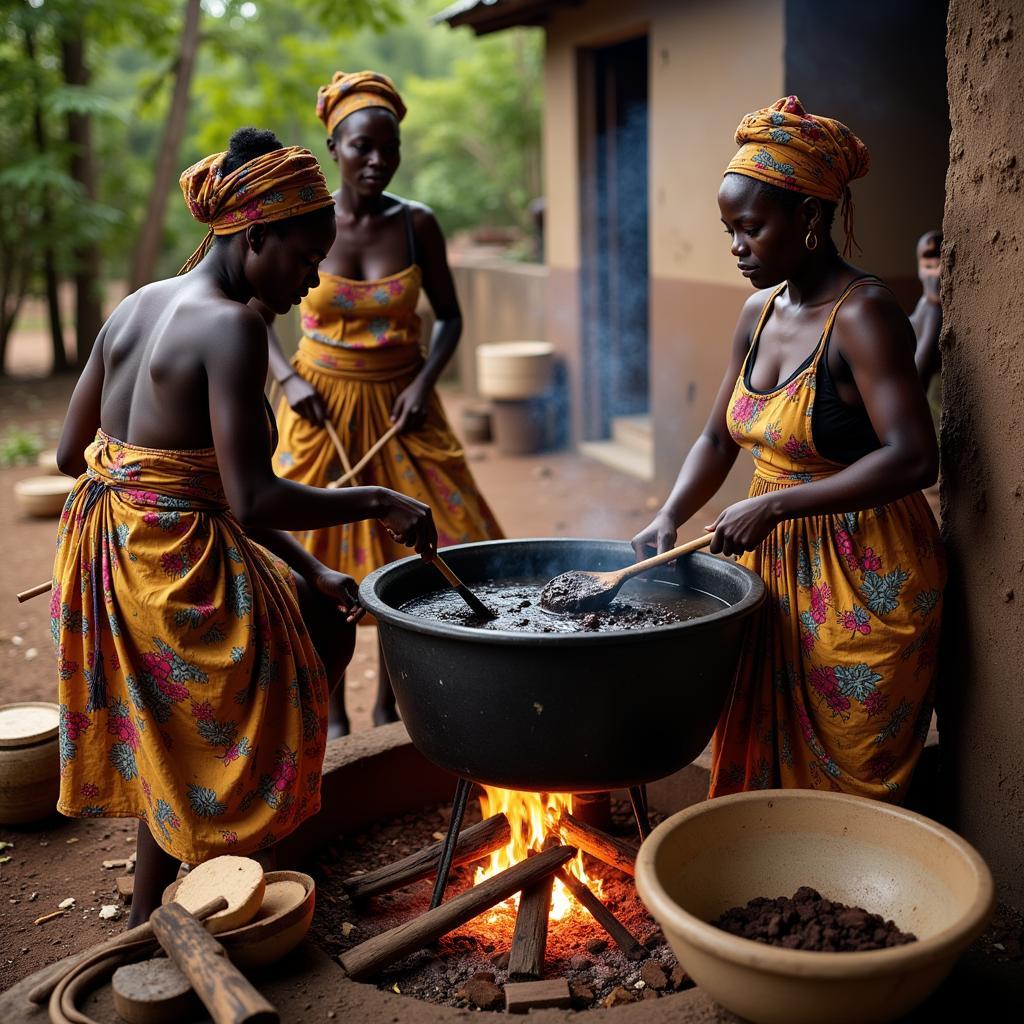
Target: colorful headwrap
x=348 y=93
x=785 y=146
x=283 y=183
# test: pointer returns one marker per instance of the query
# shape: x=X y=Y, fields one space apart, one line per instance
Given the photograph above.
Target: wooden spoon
x=467 y=595
x=580 y=591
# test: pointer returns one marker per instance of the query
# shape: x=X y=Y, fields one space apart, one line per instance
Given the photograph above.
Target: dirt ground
x=556 y=494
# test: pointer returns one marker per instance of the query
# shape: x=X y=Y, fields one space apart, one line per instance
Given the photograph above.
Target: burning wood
x=533 y=817
x=473 y=843
x=526 y=960
x=608 y=849
x=385 y=949
x=624 y=938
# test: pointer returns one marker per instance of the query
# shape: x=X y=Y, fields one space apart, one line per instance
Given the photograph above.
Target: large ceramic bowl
x=724 y=852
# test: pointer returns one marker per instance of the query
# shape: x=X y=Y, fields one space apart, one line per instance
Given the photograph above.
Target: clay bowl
x=29 y=761
x=43 y=496
x=724 y=852
x=278 y=927
x=46 y=462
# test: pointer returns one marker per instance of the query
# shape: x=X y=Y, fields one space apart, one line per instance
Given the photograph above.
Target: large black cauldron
x=560 y=712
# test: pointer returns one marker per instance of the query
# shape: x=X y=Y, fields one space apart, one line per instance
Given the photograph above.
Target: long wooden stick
x=39 y=588
x=134 y=937
x=390 y=946
x=529 y=940
x=624 y=938
x=361 y=464
x=474 y=842
x=612 y=851
x=225 y=992
x=346 y=466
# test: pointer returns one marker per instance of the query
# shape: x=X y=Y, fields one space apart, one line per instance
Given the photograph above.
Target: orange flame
x=532 y=817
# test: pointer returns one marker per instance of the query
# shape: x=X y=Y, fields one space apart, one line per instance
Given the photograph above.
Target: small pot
x=29 y=761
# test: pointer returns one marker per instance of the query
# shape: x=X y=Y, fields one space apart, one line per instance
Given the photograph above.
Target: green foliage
x=19 y=448
x=474 y=134
x=470 y=141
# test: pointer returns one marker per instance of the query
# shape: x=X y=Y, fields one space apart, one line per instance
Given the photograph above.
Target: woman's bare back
x=155 y=390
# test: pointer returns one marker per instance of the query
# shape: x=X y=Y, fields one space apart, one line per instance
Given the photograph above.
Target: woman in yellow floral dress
x=359 y=363
x=835 y=684
x=196 y=640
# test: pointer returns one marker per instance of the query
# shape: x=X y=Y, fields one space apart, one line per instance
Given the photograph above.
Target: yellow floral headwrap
x=348 y=93
x=785 y=146
x=283 y=183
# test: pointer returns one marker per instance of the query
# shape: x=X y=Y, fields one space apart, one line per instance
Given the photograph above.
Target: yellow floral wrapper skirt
x=835 y=683
x=359 y=387
x=190 y=693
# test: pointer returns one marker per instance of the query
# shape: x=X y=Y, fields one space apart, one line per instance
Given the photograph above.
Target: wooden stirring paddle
x=465 y=593
x=580 y=591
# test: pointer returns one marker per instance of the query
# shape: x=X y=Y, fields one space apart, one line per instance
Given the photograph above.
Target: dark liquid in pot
x=516 y=602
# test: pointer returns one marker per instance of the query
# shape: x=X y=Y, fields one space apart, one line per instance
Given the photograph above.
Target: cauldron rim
x=392 y=616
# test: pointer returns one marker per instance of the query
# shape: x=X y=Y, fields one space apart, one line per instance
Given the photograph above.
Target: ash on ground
x=577 y=948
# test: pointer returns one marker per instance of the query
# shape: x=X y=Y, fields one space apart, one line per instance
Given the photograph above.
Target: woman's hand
x=409 y=521
x=742 y=527
x=929 y=247
x=410 y=407
x=341 y=589
x=304 y=399
x=660 y=534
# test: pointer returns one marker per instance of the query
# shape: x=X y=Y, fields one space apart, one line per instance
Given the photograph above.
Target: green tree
x=473 y=136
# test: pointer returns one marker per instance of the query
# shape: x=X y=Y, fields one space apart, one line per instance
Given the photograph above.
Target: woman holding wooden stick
x=835 y=684
x=359 y=368
x=197 y=641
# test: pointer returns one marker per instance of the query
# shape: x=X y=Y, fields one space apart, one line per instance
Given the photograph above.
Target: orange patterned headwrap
x=283 y=183
x=785 y=146
x=348 y=93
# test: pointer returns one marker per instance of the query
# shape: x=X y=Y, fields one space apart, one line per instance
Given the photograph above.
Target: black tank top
x=841 y=432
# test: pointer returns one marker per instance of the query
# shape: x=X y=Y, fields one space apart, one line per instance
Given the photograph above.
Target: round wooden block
x=153 y=992
x=238 y=879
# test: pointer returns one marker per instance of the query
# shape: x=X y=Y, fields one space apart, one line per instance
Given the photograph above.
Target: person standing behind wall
x=927 y=321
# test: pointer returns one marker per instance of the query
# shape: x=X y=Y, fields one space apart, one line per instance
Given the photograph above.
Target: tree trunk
x=60 y=359
x=88 y=306
x=13 y=283
x=147 y=249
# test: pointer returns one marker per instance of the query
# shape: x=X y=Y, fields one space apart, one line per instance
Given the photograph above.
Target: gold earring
x=811 y=241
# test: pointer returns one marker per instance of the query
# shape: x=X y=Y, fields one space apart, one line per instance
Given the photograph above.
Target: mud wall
x=981 y=717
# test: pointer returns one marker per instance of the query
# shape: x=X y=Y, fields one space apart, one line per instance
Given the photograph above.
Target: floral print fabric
x=835 y=684
x=363 y=314
x=360 y=387
x=190 y=693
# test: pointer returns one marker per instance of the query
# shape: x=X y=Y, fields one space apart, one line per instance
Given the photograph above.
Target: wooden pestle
x=225 y=992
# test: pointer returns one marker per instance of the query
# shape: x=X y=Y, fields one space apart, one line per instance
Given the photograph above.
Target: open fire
x=532 y=817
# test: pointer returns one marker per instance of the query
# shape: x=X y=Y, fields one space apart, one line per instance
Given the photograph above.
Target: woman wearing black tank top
x=834 y=687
